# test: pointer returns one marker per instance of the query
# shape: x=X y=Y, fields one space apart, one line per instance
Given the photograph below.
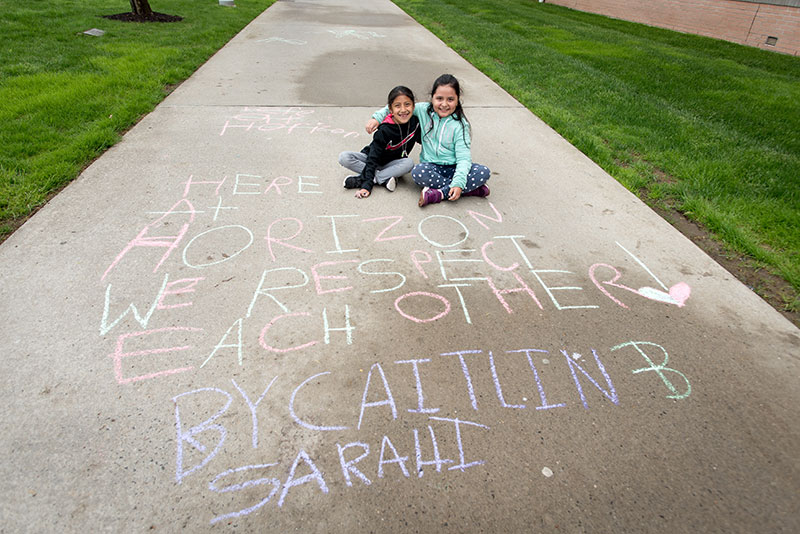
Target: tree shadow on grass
x=133 y=17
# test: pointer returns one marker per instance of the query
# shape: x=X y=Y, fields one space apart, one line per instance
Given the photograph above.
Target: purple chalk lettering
x=276 y=484
x=465 y=370
x=545 y=405
x=253 y=407
x=300 y=421
x=399 y=460
x=497 y=387
x=188 y=436
x=420 y=396
x=437 y=459
x=573 y=364
x=461 y=456
x=350 y=466
x=315 y=474
x=389 y=399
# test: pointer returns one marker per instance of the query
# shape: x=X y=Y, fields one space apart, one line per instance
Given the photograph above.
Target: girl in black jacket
x=387 y=156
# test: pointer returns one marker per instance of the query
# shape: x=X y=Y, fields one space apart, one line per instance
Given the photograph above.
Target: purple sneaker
x=430 y=196
x=482 y=191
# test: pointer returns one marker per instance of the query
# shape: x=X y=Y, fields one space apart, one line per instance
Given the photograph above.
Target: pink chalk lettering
x=262 y=336
x=274 y=184
x=282 y=241
x=253 y=407
x=493 y=264
x=475 y=215
x=361 y=270
x=599 y=284
x=389 y=400
x=301 y=422
x=399 y=460
x=318 y=277
x=105 y=327
x=188 y=287
x=549 y=289
x=276 y=484
x=190 y=182
x=347 y=328
x=418 y=264
x=261 y=290
x=420 y=396
x=119 y=355
x=144 y=239
x=350 y=466
x=572 y=362
x=524 y=289
x=461 y=456
x=223 y=345
x=521 y=252
x=397 y=219
x=188 y=436
x=437 y=459
x=422 y=294
x=465 y=370
x=291 y=482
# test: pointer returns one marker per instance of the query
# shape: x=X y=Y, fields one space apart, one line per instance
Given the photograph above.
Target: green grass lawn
x=709 y=127
x=66 y=97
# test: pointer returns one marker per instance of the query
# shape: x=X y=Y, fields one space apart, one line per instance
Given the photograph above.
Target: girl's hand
x=371 y=126
x=362 y=193
x=455 y=193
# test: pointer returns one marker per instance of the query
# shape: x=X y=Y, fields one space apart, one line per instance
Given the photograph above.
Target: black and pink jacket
x=388 y=143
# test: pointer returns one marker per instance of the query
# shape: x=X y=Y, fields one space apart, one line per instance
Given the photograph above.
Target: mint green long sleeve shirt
x=444 y=141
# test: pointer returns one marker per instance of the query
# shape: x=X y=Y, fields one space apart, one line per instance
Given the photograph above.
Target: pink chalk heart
x=678 y=294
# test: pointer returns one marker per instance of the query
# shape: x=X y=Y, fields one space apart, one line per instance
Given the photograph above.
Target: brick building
x=768 y=24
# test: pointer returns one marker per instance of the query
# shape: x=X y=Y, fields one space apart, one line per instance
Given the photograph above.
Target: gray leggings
x=356 y=161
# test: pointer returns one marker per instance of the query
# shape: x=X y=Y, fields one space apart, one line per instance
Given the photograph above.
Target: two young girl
x=445 y=170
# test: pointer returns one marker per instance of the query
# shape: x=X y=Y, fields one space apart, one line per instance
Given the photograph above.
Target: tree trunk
x=141 y=8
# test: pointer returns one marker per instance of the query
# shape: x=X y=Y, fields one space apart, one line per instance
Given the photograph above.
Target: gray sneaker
x=391 y=185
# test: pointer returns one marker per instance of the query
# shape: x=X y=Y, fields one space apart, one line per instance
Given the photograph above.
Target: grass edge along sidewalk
x=66 y=97
x=704 y=131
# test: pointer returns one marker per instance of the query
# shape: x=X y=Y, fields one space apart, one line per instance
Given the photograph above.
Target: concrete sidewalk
x=206 y=331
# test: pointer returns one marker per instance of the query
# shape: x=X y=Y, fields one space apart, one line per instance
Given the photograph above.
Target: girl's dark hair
x=400 y=90
x=458 y=114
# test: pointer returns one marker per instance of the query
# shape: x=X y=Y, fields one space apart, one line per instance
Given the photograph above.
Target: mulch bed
x=132 y=17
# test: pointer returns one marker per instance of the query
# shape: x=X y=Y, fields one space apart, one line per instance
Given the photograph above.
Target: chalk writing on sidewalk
x=288 y=121
x=312 y=282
